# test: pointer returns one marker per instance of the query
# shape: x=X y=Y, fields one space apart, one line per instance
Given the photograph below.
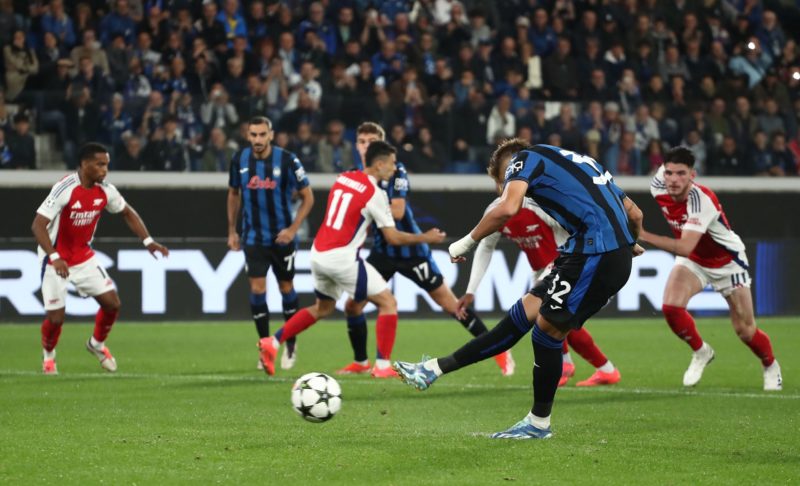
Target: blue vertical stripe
x=576 y=295
x=261 y=197
x=361 y=282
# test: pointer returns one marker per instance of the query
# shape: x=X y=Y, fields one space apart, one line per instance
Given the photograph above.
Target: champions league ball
x=316 y=397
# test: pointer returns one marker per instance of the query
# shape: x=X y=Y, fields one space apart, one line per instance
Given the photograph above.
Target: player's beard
x=259 y=148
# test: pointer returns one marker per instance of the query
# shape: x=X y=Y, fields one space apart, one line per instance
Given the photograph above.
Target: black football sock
x=357 y=332
x=290 y=308
x=472 y=323
x=504 y=335
x=546 y=371
x=260 y=311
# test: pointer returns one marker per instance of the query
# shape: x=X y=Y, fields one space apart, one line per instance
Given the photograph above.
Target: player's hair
x=260 y=120
x=371 y=127
x=90 y=150
x=378 y=149
x=506 y=149
x=680 y=155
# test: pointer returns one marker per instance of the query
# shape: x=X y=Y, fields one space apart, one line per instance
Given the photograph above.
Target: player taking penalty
x=354 y=202
x=64 y=227
x=708 y=252
x=594 y=264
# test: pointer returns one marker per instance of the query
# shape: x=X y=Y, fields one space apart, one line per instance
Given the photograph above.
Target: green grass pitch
x=188 y=406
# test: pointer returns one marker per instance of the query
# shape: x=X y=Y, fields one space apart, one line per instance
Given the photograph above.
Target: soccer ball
x=316 y=397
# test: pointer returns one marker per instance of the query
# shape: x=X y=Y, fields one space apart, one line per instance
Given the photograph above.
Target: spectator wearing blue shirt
x=316 y=21
x=750 y=60
x=388 y=62
x=541 y=34
x=118 y=21
x=59 y=23
x=232 y=20
x=116 y=122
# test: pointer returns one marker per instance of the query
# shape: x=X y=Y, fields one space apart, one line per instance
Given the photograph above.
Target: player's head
x=259 y=133
x=94 y=160
x=500 y=157
x=366 y=133
x=380 y=160
x=679 y=171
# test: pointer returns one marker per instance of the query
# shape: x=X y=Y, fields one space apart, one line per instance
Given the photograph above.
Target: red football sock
x=50 y=335
x=761 y=347
x=682 y=325
x=564 y=347
x=103 y=322
x=298 y=323
x=385 y=332
x=583 y=344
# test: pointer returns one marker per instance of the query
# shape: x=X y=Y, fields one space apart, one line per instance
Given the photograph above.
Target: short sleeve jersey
x=354 y=202
x=74 y=212
x=266 y=186
x=398 y=187
x=578 y=193
x=535 y=233
x=701 y=212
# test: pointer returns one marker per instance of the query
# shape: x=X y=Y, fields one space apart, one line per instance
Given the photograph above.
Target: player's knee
x=387 y=304
x=56 y=320
x=285 y=286
x=352 y=308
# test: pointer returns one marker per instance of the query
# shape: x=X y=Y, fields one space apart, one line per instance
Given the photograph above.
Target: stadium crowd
x=170 y=84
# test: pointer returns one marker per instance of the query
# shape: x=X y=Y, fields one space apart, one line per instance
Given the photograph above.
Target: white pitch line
x=475 y=386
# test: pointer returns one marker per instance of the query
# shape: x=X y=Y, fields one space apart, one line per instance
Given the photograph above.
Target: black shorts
x=580 y=285
x=258 y=259
x=421 y=270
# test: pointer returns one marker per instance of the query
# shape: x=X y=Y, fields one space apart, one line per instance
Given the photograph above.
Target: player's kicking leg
x=290 y=306
x=51 y=331
x=104 y=319
x=682 y=285
x=443 y=296
x=740 y=302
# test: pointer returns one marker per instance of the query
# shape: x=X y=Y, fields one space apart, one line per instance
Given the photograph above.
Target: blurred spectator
x=335 y=152
x=560 y=73
x=623 y=158
x=673 y=65
x=137 y=88
x=304 y=113
x=728 y=160
x=154 y=113
x=92 y=78
x=501 y=123
x=750 y=60
x=10 y=22
x=597 y=89
x=783 y=160
x=21 y=144
x=718 y=121
x=84 y=19
x=6 y=158
x=429 y=154
x=772 y=87
x=144 y=51
x=316 y=22
x=211 y=30
x=305 y=148
x=156 y=26
x=567 y=128
x=166 y=150
x=116 y=122
x=654 y=156
x=119 y=21
x=761 y=154
x=118 y=59
x=306 y=84
x=771 y=121
x=694 y=142
x=218 y=112
x=644 y=127
x=218 y=153
x=232 y=21
x=771 y=35
x=57 y=22
x=130 y=157
x=541 y=34
x=20 y=63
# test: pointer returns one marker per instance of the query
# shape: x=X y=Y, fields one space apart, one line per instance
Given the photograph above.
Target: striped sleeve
x=58 y=197
x=234 y=178
x=657 y=185
x=700 y=211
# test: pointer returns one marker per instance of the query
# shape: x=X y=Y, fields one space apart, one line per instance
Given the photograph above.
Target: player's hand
x=157 y=247
x=463 y=303
x=637 y=250
x=285 y=236
x=435 y=235
x=233 y=242
x=61 y=268
x=460 y=248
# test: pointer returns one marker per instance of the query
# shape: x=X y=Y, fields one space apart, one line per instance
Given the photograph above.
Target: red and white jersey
x=701 y=212
x=355 y=201
x=536 y=233
x=74 y=211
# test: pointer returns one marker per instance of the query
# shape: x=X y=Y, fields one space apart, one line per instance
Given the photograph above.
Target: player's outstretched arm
x=635 y=217
x=483 y=256
x=401 y=238
x=234 y=203
x=494 y=219
x=286 y=235
x=680 y=247
x=135 y=223
x=39 y=229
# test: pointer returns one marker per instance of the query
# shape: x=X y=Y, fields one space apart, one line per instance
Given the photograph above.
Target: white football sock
x=49 y=354
x=382 y=363
x=538 y=422
x=607 y=368
x=98 y=345
x=433 y=365
x=567 y=357
x=362 y=363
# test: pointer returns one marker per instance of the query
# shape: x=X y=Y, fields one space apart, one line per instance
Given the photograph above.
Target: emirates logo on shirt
x=83 y=218
x=259 y=183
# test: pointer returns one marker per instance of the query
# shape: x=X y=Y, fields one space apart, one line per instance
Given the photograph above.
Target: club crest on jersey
x=514 y=167
x=400 y=184
x=276 y=172
x=259 y=183
x=98 y=201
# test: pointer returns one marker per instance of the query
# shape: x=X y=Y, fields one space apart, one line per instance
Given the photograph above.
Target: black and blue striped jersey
x=398 y=187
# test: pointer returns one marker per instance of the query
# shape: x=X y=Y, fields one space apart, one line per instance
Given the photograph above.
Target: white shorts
x=333 y=276
x=542 y=273
x=89 y=278
x=724 y=279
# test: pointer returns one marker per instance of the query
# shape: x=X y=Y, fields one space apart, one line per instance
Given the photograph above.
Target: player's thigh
x=423 y=272
x=54 y=290
x=326 y=280
x=386 y=266
x=256 y=261
x=580 y=285
x=740 y=302
x=684 y=282
x=371 y=283
x=91 y=279
x=282 y=259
